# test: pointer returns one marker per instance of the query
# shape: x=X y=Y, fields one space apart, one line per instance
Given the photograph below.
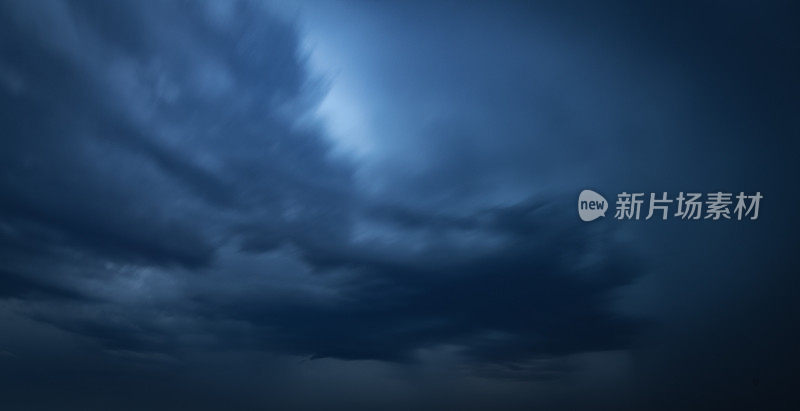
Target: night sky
x=372 y=205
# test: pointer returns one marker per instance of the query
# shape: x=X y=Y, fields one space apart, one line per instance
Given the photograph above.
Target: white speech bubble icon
x=591 y=205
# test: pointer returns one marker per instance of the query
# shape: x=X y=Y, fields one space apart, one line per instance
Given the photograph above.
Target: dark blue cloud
x=155 y=137
x=178 y=211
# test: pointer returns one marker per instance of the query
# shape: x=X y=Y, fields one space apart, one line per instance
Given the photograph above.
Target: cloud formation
x=237 y=204
x=167 y=186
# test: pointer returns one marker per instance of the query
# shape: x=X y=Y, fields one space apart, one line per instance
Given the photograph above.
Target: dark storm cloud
x=142 y=135
x=529 y=297
x=164 y=187
x=151 y=123
x=175 y=218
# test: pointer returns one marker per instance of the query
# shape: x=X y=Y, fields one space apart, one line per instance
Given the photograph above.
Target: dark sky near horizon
x=372 y=205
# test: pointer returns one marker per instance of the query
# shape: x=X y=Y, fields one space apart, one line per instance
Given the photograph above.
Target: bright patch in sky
x=341 y=109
